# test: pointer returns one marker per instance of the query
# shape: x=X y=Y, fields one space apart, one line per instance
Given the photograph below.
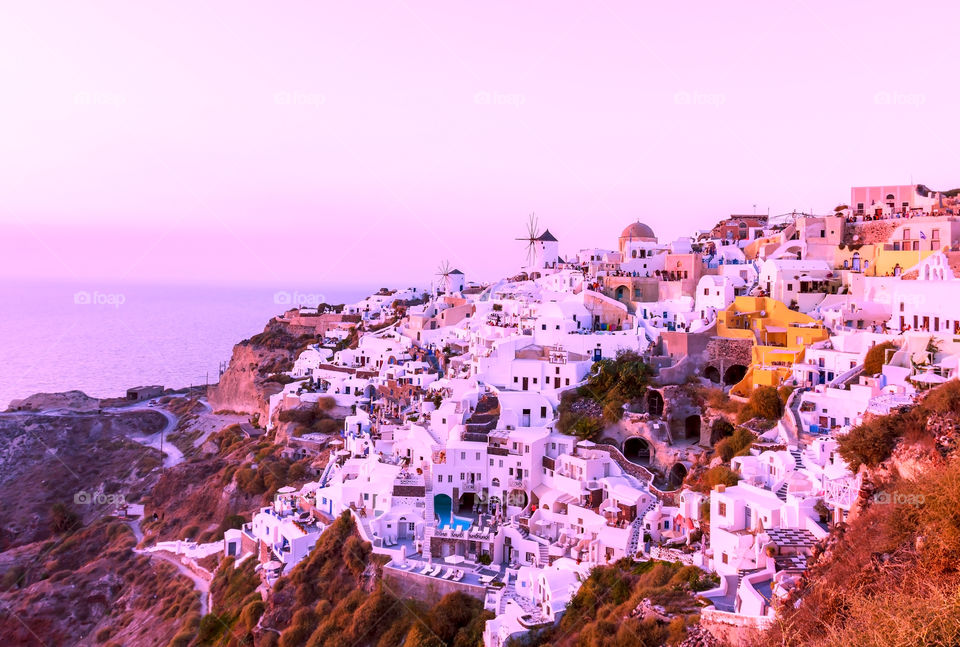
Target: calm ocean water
x=102 y=339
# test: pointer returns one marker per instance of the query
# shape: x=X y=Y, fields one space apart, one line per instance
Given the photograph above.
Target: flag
x=923 y=235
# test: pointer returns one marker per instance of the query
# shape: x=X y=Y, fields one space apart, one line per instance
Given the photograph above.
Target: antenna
x=531 y=239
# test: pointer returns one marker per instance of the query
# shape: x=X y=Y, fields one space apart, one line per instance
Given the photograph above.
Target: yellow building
x=780 y=337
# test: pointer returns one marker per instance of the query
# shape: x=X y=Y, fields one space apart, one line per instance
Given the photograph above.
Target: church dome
x=638 y=230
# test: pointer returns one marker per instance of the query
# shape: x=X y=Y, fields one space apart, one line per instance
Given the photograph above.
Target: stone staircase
x=797 y=457
x=544 y=555
x=636 y=533
x=430 y=525
x=742 y=573
x=782 y=492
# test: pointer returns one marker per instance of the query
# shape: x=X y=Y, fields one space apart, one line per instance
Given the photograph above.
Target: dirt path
x=201 y=585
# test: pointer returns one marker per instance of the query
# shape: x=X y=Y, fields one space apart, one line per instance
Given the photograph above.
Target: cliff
x=246 y=385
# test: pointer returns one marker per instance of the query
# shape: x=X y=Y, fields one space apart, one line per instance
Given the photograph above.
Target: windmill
x=531 y=239
x=444 y=272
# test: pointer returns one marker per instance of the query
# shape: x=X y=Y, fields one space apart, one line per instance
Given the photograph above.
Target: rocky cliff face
x=245 y=387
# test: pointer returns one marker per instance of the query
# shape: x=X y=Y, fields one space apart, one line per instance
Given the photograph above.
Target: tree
x=764 y=403
x=876 y=357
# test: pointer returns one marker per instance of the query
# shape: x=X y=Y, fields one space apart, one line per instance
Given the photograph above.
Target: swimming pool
x=442 y=507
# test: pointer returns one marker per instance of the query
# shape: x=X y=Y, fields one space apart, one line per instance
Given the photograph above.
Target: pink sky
x=332 y=143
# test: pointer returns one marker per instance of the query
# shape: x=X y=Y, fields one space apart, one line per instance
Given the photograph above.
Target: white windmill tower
x=451 y=279
x=542 y=248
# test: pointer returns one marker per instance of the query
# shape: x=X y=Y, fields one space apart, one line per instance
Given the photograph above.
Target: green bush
x=872 y=442
x=736 y=445
x=719 y=475
x=876 y=357
x=764 y=403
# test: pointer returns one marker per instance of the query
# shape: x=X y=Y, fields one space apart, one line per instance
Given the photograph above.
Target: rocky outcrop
x=73 y=400
x=245 y=386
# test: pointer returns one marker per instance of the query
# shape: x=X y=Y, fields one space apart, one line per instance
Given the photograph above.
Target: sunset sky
x=364 y=142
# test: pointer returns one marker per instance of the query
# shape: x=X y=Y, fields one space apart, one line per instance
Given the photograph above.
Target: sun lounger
x=458 y=576
x=436 y=571
x=426 y=569
x=486 y=579
x=449 y=574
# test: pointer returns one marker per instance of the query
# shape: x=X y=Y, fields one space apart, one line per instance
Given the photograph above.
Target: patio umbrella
x=929 y=377
x=455 y=559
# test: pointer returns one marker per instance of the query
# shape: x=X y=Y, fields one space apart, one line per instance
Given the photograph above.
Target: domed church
x=636 y=241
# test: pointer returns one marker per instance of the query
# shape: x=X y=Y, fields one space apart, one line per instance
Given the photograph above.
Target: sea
x=104 y=338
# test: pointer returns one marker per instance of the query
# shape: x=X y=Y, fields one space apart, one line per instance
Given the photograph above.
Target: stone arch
x=712 y=373
x=734 y=374
x=655 y=403
x=677 y=473
x=691 y=427
x=637 y=450
x=620 y=292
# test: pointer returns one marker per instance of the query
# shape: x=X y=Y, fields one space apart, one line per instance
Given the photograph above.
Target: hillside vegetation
x=891 y=576
x=334 y=598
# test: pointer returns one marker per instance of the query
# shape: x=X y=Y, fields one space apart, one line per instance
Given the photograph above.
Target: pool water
x=442 y=507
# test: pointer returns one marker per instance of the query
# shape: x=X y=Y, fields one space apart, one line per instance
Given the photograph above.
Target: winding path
x=172 y=455
x=201 y=585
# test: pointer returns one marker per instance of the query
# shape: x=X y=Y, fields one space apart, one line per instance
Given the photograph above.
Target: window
x=515 y=379
x=706 y=292
x=906 y=234
x=439 y=478
x=722 y=509
x=723 y=558
x=543 y=410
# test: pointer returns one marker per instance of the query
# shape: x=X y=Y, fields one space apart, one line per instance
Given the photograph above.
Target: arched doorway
x=637 y=450
x=467 y=501
x=691 y=427
x=677 y=473
x=712 y=373
x=620 y=292
x=734 y=374
x=655 y=403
